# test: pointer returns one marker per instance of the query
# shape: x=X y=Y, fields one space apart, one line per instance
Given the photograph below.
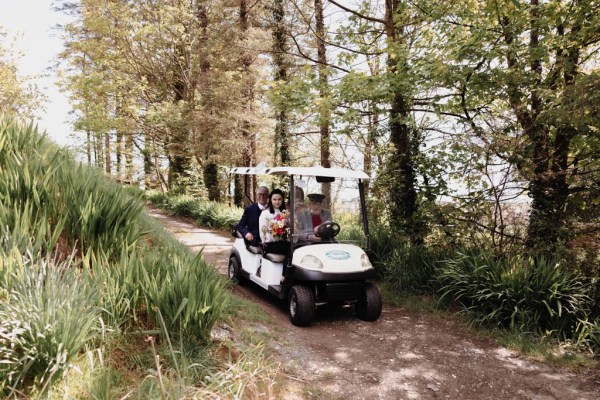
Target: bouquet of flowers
x=279 y=226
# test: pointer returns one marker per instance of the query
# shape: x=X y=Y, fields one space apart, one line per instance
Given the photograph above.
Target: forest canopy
x=478 y=121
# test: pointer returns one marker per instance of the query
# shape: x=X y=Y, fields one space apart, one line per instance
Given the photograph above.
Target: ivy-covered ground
x=403 y=355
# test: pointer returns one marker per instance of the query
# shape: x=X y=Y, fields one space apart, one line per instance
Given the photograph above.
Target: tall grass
x=519 y=293
x=102 y=216
x=71 y=261
x=48 y=317
x=120 y=293
x=188 y=293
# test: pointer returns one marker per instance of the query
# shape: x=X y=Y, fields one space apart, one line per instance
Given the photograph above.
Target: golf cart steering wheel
x=328 y=230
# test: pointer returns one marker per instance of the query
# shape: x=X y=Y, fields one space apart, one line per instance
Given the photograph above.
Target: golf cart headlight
x=364 y=260
x=312 y=262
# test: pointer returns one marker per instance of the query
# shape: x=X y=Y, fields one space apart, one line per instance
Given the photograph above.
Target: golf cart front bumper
x=303 y=274
x=328 y=287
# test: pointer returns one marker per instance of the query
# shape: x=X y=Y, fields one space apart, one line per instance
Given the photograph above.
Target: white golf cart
x=318 y=268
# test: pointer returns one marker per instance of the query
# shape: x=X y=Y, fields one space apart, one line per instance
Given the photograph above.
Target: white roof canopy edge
x=303 y=171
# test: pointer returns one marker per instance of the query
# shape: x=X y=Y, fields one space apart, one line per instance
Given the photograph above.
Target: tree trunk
x=179 y=147
x=147 y=154
x=129 y=167
x=211 y=180
x=368 y=152
x=205 y=158
x=98 y=153
x=324 y=113
x=402 y=191
x=118 y=141
x=282 y=151
x=118 y=154
x=238 y=190
x=248 y=134
x=107 y=153
x=548 y=187
x=89 y=146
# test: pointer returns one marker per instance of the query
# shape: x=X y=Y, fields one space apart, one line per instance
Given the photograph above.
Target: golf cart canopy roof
x=303 y=171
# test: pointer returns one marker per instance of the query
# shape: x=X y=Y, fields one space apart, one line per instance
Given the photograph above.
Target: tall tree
x=400 y=169
x=517 y=70
x=324 y=109
x=280 y=49
x=18 y=94
x=248 y=133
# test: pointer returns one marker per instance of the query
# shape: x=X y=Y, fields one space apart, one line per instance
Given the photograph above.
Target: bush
x=588 y=334
x=410 y=268
x=205 y=213
x=520 y=293
x=158 y=199
x=406 y=267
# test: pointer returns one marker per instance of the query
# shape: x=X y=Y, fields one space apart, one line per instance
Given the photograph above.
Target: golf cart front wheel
x=301 y=305
x=233 y=270
x=368 y=307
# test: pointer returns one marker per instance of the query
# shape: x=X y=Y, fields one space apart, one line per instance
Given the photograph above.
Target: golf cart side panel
x=249 y=262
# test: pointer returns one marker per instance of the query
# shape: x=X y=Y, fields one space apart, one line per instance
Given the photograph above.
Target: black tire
x=368 y=307
x=233 y=270
x=301 y=305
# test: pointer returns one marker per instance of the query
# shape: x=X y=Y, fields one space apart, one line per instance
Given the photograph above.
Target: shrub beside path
x=403 y=355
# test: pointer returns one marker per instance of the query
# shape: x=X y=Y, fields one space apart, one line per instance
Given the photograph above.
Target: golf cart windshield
x=332 y=197
x=327 y=209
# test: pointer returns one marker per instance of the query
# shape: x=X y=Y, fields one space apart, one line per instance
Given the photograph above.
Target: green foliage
x=44 y=193
x=187 y=292
x=119 y=286
x=18 y=94
x=205 y=213
x=405 y=267
x=515 y=292
x=71 y=262
x=351 y=228
x=101 y=216
x=49 y=316
x=588 y=333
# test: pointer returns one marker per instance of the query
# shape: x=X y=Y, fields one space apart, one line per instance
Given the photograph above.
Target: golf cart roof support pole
x=363 y=206
x=292 y=212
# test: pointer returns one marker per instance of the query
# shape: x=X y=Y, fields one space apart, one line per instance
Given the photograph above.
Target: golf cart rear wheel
x=301 y=305
x=368 y=307
x=233 y=270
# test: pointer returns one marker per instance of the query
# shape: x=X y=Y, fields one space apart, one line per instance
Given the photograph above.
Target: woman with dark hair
x=274 y=224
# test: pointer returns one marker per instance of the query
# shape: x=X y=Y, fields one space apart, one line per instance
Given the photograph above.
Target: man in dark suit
x=248 y=225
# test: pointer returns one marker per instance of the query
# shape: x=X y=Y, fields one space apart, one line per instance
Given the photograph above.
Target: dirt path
x=403 y=355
